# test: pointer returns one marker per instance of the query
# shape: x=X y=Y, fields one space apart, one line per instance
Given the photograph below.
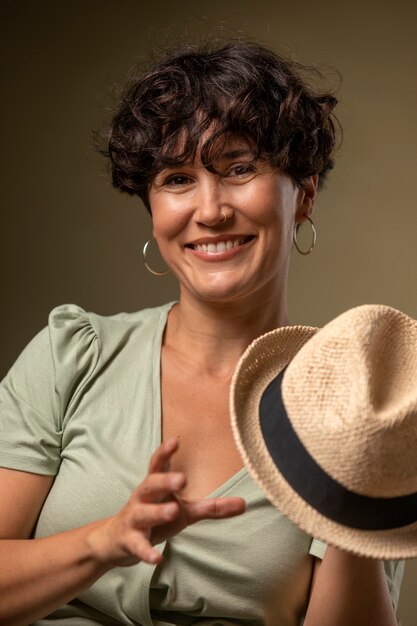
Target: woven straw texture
x=350 y=391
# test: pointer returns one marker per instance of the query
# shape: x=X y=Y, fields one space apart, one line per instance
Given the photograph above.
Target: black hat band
x=314 y=485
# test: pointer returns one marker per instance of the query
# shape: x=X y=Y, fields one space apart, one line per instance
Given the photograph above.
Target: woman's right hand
x=153 y=514
x=39 y=575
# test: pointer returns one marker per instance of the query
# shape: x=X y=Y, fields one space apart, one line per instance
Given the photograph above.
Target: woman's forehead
x=223 y=147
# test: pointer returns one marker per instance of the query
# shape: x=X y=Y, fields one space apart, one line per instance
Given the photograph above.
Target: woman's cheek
x=170 y=218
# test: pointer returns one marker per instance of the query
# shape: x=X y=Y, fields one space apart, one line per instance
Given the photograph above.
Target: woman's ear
x=308 y=193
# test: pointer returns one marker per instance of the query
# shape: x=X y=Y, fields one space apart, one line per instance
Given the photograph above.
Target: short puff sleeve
x=46 y=378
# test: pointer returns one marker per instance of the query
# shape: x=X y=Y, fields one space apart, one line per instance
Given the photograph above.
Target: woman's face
x=219 y=260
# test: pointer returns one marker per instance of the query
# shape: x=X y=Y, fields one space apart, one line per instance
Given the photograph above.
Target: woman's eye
x=241 y=169
x=177 y=180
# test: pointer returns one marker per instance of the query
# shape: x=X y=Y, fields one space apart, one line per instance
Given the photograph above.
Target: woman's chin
x=221 y=292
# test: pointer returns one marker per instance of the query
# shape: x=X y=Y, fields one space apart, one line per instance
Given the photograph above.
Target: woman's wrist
x=102 y=548
x=349 y=589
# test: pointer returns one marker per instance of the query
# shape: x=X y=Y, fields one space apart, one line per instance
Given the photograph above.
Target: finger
x=145 y=517
x=214 y=508
x=138 y=545
x=161 y=457
x=156 y=487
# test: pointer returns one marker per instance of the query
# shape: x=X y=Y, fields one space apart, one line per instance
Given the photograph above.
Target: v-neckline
x=157 y=401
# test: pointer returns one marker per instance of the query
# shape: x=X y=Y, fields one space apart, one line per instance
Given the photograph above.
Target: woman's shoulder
x=85 y=345
x=72 y=320
x=73 y=314
x=75 y=331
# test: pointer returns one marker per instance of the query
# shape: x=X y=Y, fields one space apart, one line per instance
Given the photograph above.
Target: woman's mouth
x=216 y=247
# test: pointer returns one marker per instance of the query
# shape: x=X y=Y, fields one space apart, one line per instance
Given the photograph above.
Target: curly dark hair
x=239 y=89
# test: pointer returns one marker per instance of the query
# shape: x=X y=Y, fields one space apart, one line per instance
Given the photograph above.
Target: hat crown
x=351 y=396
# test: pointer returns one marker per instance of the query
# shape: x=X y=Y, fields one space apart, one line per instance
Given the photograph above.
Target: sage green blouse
x=82 y=403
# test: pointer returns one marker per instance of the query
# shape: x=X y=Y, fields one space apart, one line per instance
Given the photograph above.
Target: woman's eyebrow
x=233 y=154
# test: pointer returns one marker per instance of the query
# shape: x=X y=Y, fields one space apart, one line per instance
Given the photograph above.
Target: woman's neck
x=211 y=337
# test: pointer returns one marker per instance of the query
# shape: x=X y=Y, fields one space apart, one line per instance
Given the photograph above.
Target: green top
x=82 y=402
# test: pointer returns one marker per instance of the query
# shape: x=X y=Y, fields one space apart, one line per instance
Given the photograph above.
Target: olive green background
x=67 y=236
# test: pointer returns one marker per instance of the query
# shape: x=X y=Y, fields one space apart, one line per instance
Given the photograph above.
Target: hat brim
x=263 y=361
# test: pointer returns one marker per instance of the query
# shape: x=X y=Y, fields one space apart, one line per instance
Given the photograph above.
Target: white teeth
x=221 y=246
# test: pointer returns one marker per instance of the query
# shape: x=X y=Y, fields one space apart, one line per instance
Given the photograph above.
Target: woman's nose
x=211 y=203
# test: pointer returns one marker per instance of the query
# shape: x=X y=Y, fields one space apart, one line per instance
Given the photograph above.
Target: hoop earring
x=144 y=251
x=224 y=216
x=313 y=242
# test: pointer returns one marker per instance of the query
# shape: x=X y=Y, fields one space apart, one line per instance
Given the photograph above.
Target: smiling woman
x=116 y=436
x=248 y=252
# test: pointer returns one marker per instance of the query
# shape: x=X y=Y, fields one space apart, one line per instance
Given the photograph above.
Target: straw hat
x=326 y=422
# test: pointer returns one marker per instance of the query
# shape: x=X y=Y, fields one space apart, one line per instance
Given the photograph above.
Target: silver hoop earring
x=313 y=242
x=144 y=251
x=224 y=216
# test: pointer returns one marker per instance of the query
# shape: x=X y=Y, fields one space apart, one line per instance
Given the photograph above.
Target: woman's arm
x=348 y=590
x=40 y=575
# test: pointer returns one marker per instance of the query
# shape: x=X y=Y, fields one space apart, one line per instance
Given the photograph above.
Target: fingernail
x=177 y=481
x=154 y=556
